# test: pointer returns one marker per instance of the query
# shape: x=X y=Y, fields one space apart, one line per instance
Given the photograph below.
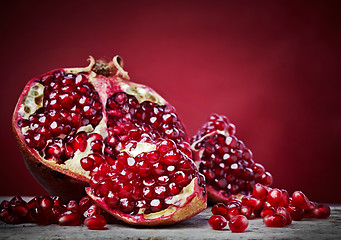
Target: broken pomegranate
x=77 y=126
x=226 y=163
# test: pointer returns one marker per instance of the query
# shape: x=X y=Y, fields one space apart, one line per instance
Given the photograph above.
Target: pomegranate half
x=92 y=127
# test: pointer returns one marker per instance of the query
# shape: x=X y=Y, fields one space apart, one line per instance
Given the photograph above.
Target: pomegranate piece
x=138 y=185
x=226 y=162
x=238 y=223
x=217 y=222
x=80 y=123
x=274 y=220
x=95 y=222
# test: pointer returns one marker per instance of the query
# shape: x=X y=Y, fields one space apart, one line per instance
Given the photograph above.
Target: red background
x=272 y=67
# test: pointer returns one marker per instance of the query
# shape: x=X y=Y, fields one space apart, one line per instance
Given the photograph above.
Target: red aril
x=219 y=209
x=275 y=197
x=69 y=218
x=274 y=220
x=300 y=200
x=296 y=213
x=217 y=222
x=238 y=223
x=284 y=212
x=321 y=211
x=95 y=222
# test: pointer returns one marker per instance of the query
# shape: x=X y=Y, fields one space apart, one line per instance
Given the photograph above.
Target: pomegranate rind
x=189 y=206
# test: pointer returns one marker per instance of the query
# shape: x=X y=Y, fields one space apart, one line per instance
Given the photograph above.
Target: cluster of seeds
x=69 y=102
x=144 y=183
x=44 y=210
x=274 y=205
x=130 y=120
x=225 y=161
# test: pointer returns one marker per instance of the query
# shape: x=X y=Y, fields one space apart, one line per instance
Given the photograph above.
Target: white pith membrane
x=34 y=99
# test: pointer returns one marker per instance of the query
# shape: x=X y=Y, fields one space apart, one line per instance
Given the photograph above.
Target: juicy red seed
x=275 y=197
x=267 y=211
x=95 y=222
x=296 y=213
x=285 y=198
x=300 y=200
x=217 y=222
x=92 y=210
x=219 y=209
x=232 y=211
x=39 y=216
x=20 y=210
x=259 y=191
x=87 y=163
x=112 y=200
x=274 y=220
x=283 y=211
x=69 y=218
x=84 y=203
x=321 y=211
x=171 y=158
x=252 y=202
x=238 y=223
x=246 y=211
x=166 y=146
x=72 y=206
x=46 y=203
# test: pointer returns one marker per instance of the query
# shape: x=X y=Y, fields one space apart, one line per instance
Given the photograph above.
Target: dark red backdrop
x=272 y=67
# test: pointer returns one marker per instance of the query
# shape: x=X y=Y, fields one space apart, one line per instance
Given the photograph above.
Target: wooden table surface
x=194 y=228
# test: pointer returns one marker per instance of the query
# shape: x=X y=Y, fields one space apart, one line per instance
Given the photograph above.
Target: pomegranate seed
x=266 y=212
x=219 y=209
x=39 y=216
x=284 y=212
x=296 y=213
x=274 y=220
x=217 y=222
x=92 y=210
x=275 y=197
x=95 y=222
x=321 y=211
x=259 y=191
x=72 y=206
x=69 y=218
x=238 y=223
x=300 y=200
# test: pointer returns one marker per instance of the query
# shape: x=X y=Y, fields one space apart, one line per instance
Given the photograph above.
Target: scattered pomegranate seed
x=217 y=222
x=95 y=222
x=238 y=223
x=274 y=220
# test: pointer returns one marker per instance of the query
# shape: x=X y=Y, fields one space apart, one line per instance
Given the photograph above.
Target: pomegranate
x=227 y=164
x=77 y=126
